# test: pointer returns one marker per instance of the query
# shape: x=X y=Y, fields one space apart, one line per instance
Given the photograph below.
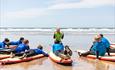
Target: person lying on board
x=98 y=48
x=106 y=42
x=4 y=44
x=20 y=48
x=33 y=52
x=20 y=41
x=58 y=35
x=58 y=50
x=8 y=45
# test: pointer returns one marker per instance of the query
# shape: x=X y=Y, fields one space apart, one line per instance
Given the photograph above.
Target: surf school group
x=60 y=53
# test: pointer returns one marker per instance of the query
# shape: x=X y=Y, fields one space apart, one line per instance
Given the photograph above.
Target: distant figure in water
x=33 y=52
x=98 y=48
x=58 y=35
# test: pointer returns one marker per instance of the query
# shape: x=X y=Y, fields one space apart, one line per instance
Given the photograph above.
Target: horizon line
x=54 y=27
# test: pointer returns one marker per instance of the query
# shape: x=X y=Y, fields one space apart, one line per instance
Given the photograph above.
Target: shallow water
x=75 y=41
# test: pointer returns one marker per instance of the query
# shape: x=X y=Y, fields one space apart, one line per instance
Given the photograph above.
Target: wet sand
x=76 y=41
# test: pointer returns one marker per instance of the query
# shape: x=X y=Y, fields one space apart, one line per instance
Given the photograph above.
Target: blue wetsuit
x=39 y=51
x=100 y=47
x=58 y=47
x=33 y=52
x=15 y=42
x=21 y=48
x=106 y=42
x=2 y=45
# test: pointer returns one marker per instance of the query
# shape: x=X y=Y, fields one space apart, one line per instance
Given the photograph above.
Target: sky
x=57 y=13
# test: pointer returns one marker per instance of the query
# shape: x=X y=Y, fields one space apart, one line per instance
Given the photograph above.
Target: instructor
x=58 y=36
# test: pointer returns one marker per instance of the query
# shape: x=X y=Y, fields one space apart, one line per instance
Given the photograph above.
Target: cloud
x=27 y=13
x=83 y=4
x=37 y=12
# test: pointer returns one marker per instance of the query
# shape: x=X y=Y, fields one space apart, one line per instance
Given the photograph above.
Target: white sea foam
x=52 y=29
x=66 y=30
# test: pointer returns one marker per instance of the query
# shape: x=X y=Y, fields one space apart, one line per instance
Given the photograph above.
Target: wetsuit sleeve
x=44 y=53
x=2 y=46
x=62 y=35
x=108 y=44
x=96 y=50
x=28 y=47
x=54 y=36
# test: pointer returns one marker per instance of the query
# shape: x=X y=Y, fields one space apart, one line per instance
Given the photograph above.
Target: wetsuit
x=107 y=44
x=58 y=49
x=33 y=52
x=2 y=45
x=58 y=36
x=21 y=48
x=98 y=49
x=15 y=42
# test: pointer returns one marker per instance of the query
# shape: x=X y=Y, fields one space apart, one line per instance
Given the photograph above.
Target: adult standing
x=58 y=35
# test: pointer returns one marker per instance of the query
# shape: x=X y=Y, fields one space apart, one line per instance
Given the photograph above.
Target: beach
x=75 y=38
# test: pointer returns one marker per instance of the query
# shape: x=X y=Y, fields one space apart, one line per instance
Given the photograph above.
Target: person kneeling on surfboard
x=21 y=48
x=20 y=41
x=33 y=52
x=58 y=35
x=58 y=50
x=98 y=48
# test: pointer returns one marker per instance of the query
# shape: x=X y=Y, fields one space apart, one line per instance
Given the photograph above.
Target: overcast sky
x=57 y=13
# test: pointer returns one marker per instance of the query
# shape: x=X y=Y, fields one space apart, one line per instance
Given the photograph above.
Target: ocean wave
x=63 y=29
